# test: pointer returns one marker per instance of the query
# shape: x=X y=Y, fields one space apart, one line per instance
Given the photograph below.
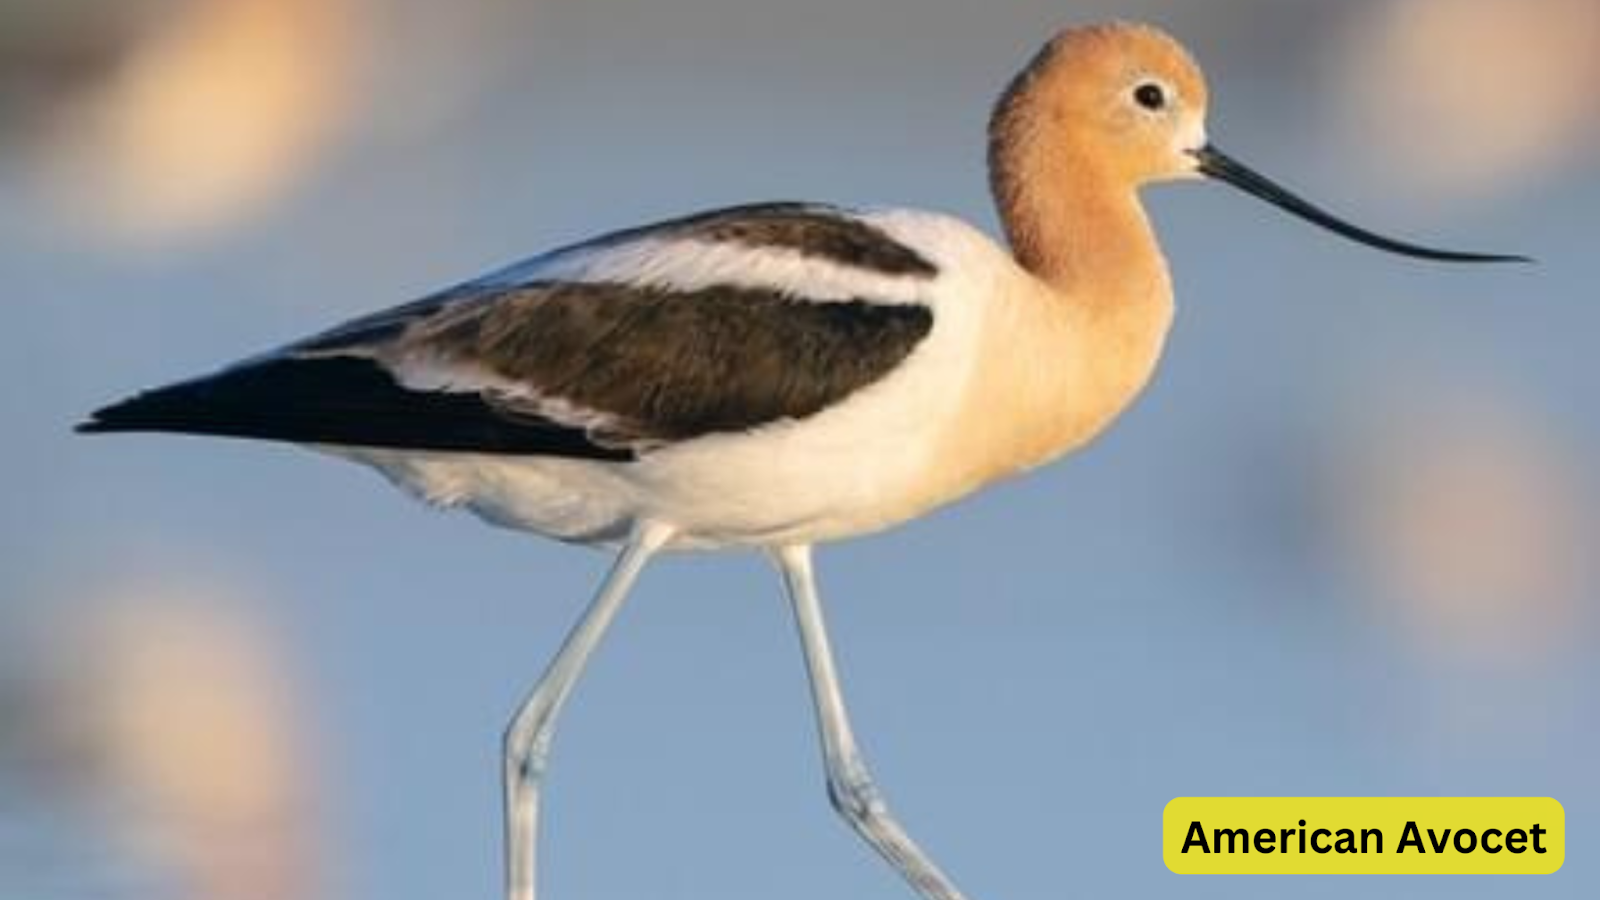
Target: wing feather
x=717 y=323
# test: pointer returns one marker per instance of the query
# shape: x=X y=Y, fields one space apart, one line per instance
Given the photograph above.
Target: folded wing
x=723 y=322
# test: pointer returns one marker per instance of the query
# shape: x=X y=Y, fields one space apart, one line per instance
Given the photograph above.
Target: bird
x=774 y=376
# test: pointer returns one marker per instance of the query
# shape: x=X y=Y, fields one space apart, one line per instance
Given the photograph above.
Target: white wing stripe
x=426 y=372
x=688 y=265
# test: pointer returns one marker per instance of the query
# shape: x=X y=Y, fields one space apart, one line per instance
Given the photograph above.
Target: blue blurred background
x=1346 y=544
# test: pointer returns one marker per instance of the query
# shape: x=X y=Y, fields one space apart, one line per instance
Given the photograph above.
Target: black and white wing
x=721 y=322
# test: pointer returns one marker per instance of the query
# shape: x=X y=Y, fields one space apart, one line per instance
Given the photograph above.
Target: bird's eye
x=1150 y=96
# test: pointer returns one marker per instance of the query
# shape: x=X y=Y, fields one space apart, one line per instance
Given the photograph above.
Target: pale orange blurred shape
x=1465 y=97
x=213 y=117
x=1468 y=521
x=184 y=699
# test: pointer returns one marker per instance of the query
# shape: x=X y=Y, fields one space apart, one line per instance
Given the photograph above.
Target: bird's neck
x=1080 y=231
x=1103 y=299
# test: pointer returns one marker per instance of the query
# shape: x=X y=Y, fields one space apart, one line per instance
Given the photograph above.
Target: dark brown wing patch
x=662 y=366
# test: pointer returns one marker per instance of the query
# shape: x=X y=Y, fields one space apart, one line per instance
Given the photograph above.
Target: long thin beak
x=1216 y=164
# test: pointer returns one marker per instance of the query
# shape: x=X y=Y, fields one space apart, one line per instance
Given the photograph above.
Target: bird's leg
x=527 y=738
x=850 y=785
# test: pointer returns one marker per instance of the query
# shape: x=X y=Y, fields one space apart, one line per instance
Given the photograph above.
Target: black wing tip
x=106 y=419
x=141 y=412
x=339 y=401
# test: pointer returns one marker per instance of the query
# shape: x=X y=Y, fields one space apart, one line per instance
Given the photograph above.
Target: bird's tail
x=344 y=401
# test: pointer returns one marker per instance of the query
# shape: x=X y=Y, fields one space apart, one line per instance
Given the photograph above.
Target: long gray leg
x=850 y=785
x=527 y=738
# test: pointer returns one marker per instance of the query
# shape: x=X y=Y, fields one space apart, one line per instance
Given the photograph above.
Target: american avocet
x=772 y=376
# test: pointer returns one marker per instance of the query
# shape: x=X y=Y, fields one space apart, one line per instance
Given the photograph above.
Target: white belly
x=857 y=467
x=792 y=483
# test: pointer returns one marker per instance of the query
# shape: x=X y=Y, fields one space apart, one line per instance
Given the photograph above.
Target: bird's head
x=1125 y=105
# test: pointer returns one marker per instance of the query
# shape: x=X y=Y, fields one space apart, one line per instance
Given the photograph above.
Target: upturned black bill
x=1216 y=164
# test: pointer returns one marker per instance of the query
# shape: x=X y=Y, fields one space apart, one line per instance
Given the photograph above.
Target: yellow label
x=1364 y=835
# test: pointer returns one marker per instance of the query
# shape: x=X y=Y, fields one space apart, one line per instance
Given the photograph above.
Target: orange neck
x=1083 y=235
x=1079 y=230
